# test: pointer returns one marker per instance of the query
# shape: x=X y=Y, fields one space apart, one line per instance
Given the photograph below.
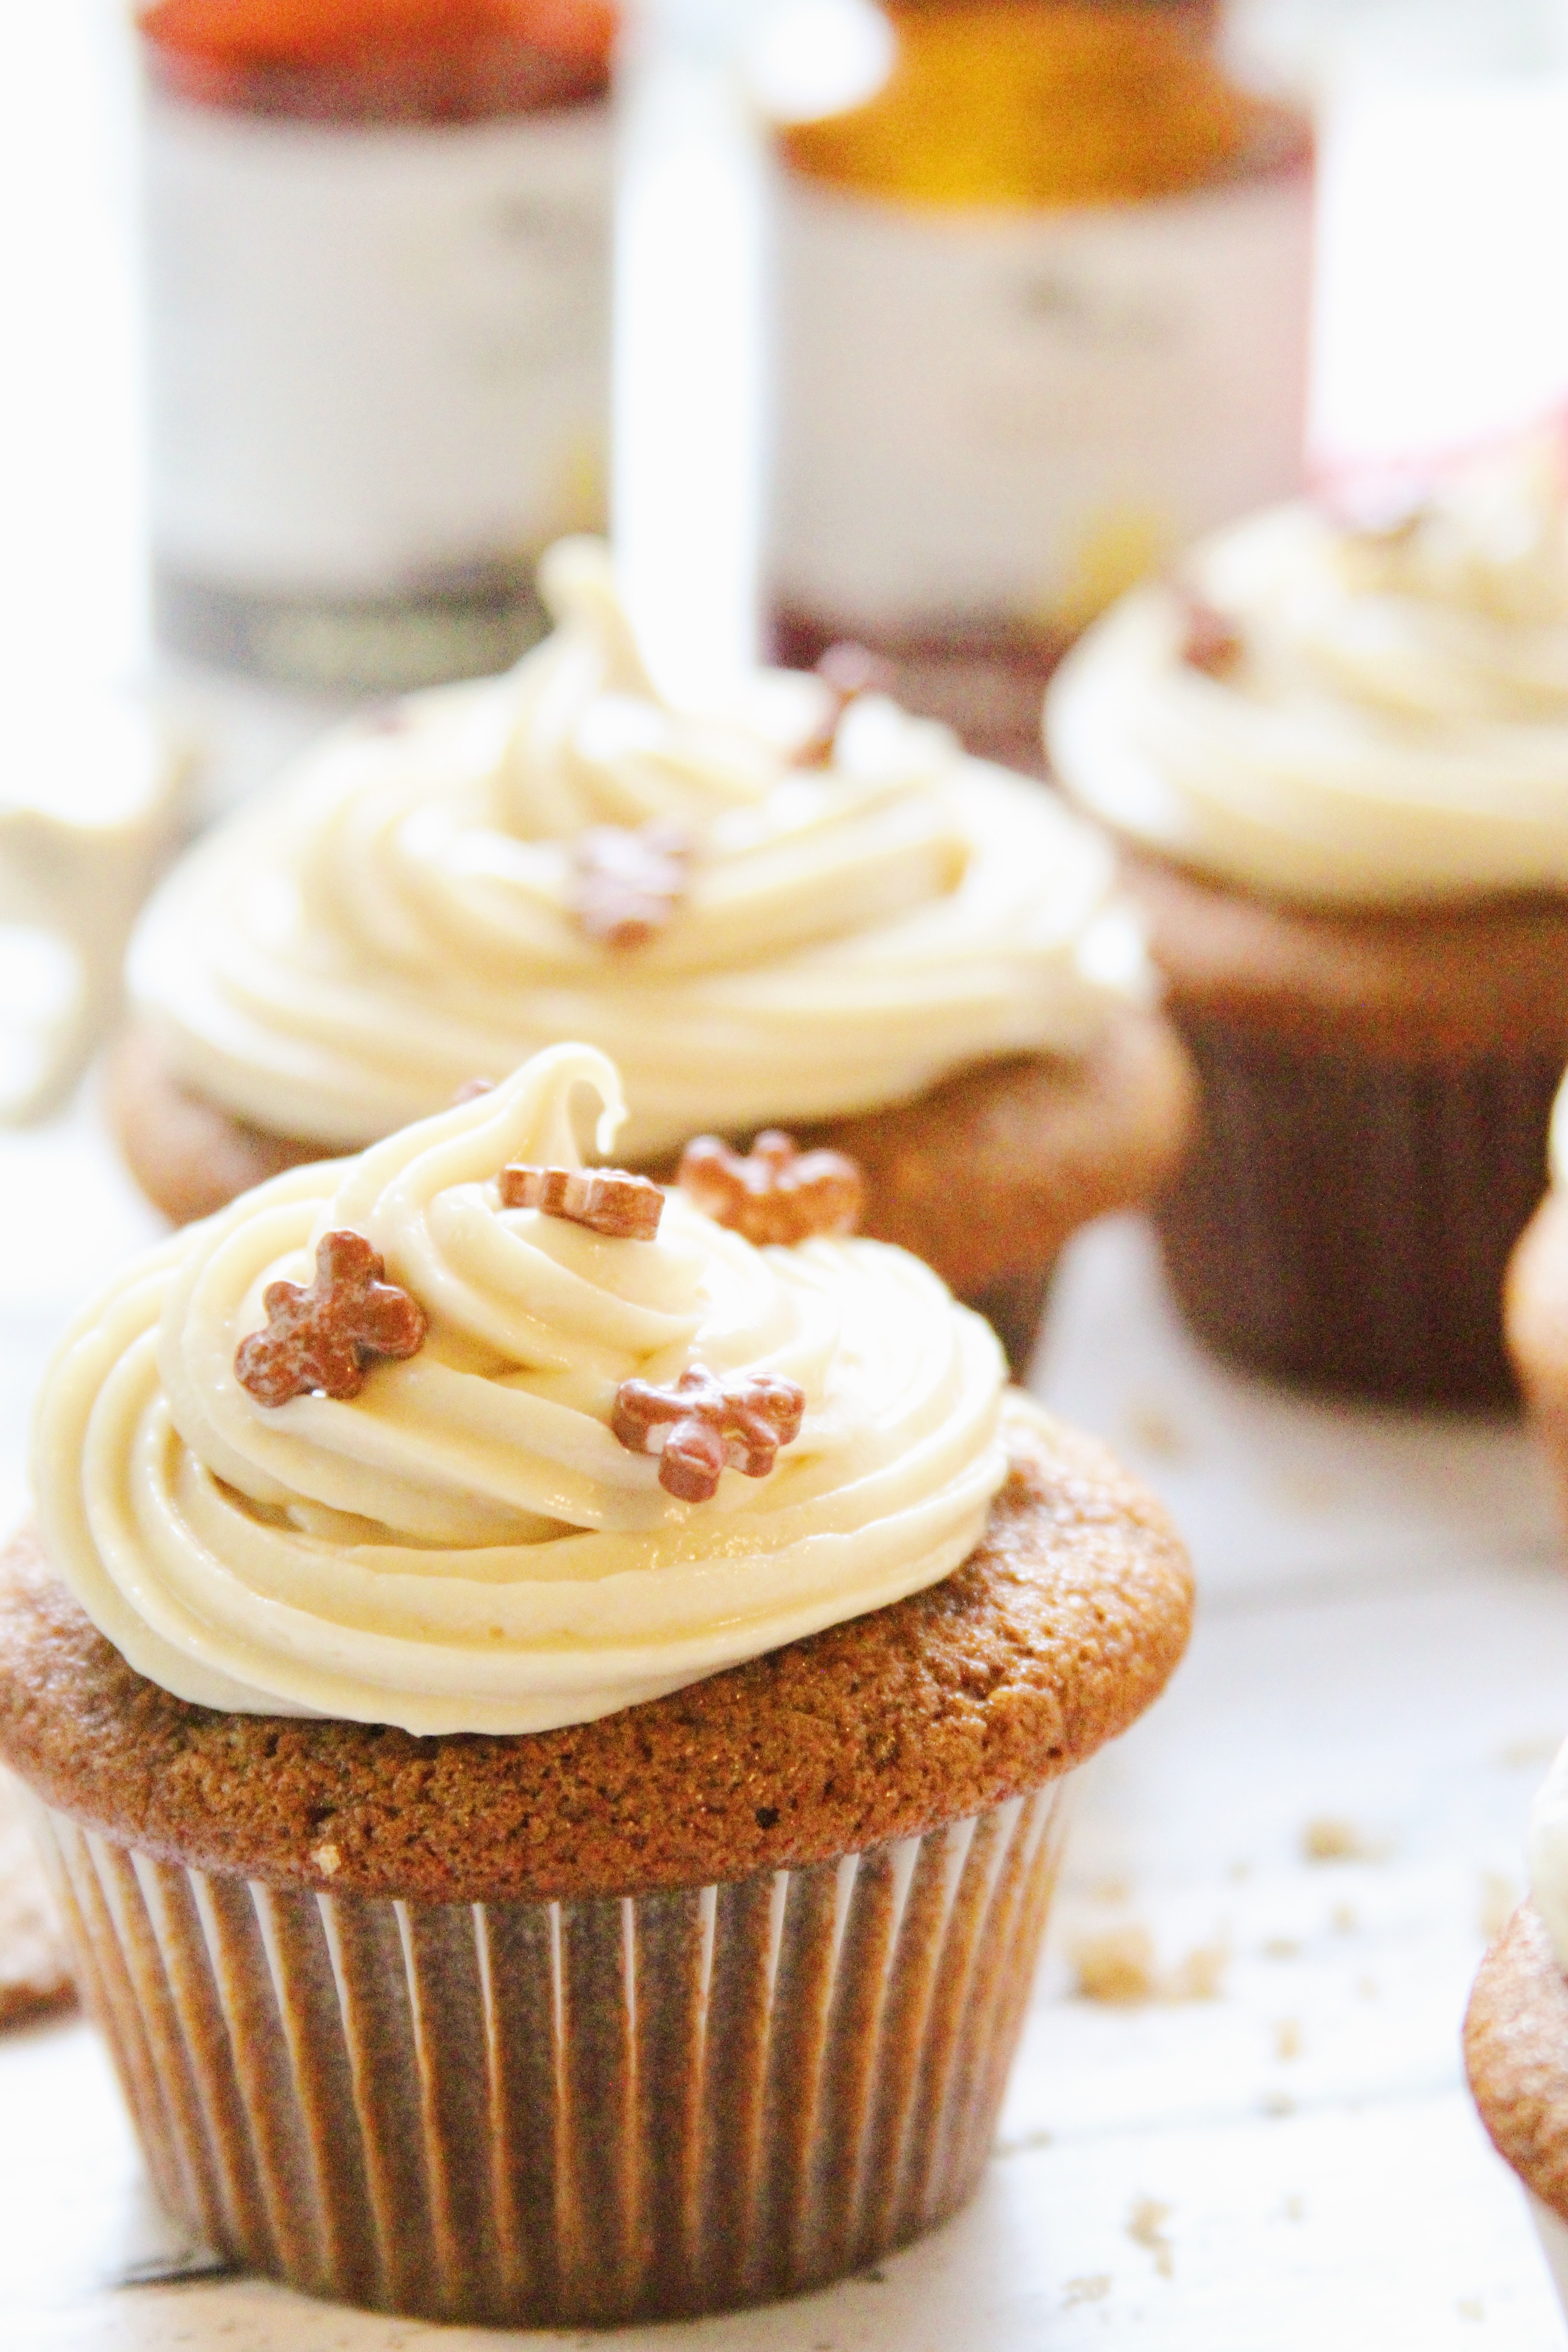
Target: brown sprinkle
x=1210 y=642
x=850 y=670
x=628 y=881
x=700 y=1424
x=775 y=1193
x=320 y=1338
x=605 y=1200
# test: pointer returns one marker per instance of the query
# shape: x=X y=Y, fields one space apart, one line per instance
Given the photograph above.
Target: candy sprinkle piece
x=700 y=1425
x=319 y=1339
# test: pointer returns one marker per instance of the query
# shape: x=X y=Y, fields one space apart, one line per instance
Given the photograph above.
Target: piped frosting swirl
x=464 y=1545
x=1394 y=728
x=398 y=914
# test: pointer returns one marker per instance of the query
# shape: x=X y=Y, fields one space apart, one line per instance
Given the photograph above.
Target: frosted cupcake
x=550 y=1719
x=1516 y=2031
x=806 y=909
x=1339 y=759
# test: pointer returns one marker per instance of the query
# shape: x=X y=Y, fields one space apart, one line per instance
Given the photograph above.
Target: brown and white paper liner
x=576 y=2111
x=1345 y=1221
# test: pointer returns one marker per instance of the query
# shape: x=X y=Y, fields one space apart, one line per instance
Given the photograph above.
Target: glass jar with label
x=1045 y=307
x=377 y=240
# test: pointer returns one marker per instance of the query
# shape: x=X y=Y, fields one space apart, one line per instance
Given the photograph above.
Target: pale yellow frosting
x=466 y=1546
x=1396 y=728
x=396 y=916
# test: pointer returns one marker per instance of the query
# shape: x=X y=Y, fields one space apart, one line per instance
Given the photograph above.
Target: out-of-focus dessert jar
x=1044 y=319
x=376 y=239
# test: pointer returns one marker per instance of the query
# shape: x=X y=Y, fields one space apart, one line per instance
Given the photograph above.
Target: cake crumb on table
x=1145 y=2227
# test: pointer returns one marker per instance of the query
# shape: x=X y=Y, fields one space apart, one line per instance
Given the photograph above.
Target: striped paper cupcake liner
x=1346 y=1222
x=563 y=2113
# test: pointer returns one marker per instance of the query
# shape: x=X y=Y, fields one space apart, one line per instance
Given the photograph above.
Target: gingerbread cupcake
x=1516 y=2031
x=801 y=907
x=550 y=1719
x=1337 y=754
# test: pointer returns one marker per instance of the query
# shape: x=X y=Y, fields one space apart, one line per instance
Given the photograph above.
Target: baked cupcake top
x=800 y=904
x=1339 y=713
x=455 y=1437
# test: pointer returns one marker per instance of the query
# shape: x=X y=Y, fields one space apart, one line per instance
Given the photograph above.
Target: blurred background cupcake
x=799 y=907
x=555 y=1722
x=1335 y=748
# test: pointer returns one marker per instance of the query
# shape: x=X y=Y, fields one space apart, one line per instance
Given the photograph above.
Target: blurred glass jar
x=376 y=255
x=1044 y=314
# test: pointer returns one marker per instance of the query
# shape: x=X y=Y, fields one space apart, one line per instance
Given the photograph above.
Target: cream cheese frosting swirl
x=1395 y=728
x=396 y=915
x=465 y=1546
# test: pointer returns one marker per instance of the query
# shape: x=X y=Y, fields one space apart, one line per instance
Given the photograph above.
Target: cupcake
x=1516 y=2031
x=1535 y=1306
x=550 y=1719
x=1338 y=758
x=800 y=908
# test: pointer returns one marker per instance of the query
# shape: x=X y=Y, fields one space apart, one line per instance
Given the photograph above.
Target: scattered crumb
x=1087 y=2290
x=1326 y=1838
x=1145 y=2228
x=1368 y=1988
x=1277 y=2102
x=1239 y=1871
x=1527 y=1755
x=1121 y=1967
x=1152 y=1429
x=1116 y=1967
x=1288 y=2038
x=1470 y=2307
x=1109 y=1890
x=1199 y=1975
x=1281 y=1947
x=327 y=1860
x=1498 y=1901
x=1023 y=2143
x=1343 y=1919
x=1294 y=2208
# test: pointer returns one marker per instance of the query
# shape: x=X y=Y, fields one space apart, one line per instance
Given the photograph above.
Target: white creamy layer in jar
x=466 y=1545
x=397 y=916
x=1393 y=727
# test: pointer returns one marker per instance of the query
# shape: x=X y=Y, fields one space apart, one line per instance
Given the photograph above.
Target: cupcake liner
x=1346 y=1220
x=558 y=2112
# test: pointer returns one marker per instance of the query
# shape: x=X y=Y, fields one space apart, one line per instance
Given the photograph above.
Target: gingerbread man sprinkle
x=775 y=1193
x=628 y=881
x=320 y=1338
x=1210 y=642
x=849 y=670
x=700 y=1424
x=605 y=1200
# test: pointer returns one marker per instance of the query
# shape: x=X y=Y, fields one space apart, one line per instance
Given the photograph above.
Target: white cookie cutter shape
x=87 y=813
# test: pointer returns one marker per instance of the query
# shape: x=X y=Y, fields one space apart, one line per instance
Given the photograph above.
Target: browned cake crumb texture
x=1420 y=984
x=1061 y=1626
x=1516 y=2053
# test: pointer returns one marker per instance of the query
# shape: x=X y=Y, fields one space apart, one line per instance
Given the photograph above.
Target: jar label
x=1011 y=417
x=378 y=356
